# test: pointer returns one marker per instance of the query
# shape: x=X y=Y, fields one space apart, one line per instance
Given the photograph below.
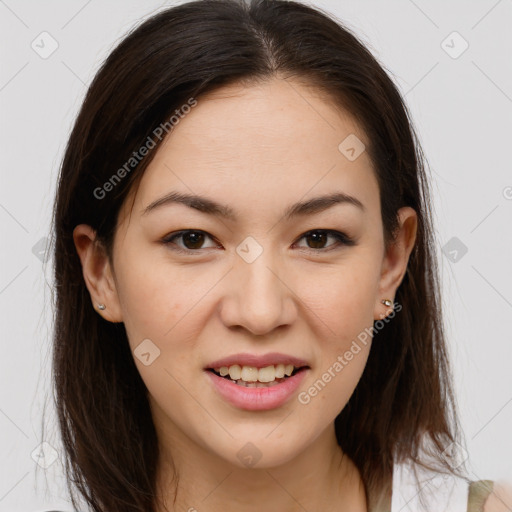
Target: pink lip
x=246 y=359
x=257 y=399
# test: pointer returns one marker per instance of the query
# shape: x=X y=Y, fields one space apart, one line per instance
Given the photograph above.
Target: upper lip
x=258 y=361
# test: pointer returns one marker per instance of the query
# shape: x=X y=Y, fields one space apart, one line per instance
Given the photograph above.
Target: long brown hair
x=403 y=405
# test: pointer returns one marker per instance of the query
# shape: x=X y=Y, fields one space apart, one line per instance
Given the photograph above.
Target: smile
x=252 y=374
x=252 y=394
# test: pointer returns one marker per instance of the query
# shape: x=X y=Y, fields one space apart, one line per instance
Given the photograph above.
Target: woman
x=247 y=294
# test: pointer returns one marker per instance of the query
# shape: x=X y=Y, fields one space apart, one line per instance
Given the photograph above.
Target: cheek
x=342 y=303
x=343 y=318
x=155 y=296
x=342 y=297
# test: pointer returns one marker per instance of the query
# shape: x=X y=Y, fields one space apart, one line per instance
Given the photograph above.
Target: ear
x=97 y=272
x=396 y=257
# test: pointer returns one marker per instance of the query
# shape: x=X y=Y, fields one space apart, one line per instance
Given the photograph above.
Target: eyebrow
x=211 y=207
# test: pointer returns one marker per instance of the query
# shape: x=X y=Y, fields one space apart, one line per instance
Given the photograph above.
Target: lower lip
x=257 y=399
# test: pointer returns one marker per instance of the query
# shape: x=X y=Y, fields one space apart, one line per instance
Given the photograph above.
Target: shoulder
x=418 y=489
x=489 y=496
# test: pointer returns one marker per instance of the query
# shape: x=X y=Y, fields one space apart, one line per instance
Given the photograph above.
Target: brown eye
x=318 y=238
x=192 y=240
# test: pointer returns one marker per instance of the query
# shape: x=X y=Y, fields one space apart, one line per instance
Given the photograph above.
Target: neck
x=321 y=477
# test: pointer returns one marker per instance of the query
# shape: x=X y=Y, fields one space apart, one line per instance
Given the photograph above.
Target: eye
x=192 y=239
x=318 y=238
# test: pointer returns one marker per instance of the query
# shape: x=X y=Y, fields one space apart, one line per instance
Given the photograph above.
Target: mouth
x=257 y=389
x=254 y=377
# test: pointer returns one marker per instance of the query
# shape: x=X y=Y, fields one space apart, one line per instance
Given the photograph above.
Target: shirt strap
x=478 y=492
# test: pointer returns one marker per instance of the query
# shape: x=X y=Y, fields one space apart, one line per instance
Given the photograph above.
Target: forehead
x=279 y=118
x=265 y=142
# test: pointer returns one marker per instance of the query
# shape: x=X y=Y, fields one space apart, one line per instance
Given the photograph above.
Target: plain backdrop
x=452 y=62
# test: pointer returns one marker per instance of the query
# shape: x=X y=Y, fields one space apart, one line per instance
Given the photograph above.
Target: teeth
x=249 y=374
x=255 y=384
x=253 y=374
x=280 y=371
x=235 y=372
x=267 y=374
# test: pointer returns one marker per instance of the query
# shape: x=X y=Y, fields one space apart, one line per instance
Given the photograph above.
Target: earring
x=387 y=302
x=101 y=306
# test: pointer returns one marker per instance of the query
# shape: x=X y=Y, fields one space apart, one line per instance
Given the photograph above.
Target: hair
x=403 y=408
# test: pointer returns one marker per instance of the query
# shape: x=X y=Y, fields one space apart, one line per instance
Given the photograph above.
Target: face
x=193 y=287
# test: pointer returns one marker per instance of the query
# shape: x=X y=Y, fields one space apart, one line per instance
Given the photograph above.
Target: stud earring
x=101 y=306
x=387 y=302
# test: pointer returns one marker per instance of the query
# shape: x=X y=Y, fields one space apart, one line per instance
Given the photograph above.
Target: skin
x=500 y=500
x=258 y=149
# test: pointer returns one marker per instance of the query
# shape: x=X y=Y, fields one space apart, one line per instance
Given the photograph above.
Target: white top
x=441 y=493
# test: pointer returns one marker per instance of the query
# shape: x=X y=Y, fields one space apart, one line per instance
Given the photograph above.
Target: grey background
x=462 y=108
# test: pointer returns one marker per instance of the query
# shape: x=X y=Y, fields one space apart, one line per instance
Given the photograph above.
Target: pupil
x=197 y=239
x=318 y=238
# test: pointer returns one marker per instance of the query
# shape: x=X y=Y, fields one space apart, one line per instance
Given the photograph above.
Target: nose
x=258 y=296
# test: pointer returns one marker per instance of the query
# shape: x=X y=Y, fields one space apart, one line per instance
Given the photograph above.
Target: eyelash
x=342 y=239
